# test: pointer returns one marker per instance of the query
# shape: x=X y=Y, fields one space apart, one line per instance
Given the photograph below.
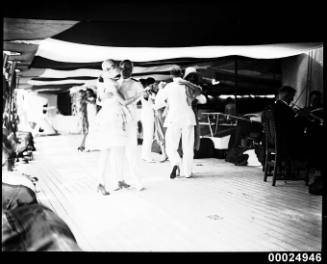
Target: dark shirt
x=34 y=227
x=284 y=117
x=289 y=130
x=30 y=226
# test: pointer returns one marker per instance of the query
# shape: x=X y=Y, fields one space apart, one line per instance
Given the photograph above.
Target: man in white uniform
x=130 y=88
x=180 y=121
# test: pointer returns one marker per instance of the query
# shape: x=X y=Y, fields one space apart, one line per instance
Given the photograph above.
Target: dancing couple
x=180 y=121
x=117 y=127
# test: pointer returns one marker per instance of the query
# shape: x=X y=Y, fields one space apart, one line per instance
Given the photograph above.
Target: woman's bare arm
x=196 y=88
x=129 y=101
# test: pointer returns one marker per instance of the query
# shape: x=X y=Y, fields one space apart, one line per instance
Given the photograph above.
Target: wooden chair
x=274 y=161
x=271 y=157
x=277 y=159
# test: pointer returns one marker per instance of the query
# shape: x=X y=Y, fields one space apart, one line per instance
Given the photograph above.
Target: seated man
x=239 y=141
x=34 y=227
x=289 y=127
x=26 y=224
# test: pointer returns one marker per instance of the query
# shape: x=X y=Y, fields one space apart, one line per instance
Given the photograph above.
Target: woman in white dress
x=159 y=120
x=111 y=124
x=88 y=114
x=91 y=109
x=147 y=118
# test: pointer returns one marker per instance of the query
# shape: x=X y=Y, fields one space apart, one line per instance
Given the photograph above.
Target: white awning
x=64 y=51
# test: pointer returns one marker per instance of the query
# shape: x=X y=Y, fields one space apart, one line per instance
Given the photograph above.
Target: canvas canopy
x=67 y=48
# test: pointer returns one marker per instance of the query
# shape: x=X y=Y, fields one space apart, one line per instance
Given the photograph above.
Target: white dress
x=91 y=113
x=91 y=139
x=111 y=119
x=147 y=117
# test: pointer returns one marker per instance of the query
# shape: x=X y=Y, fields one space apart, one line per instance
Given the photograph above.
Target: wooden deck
x=223 y=208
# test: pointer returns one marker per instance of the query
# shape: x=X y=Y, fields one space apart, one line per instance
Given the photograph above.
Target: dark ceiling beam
x=269 y=22
x=120 y=11
x=19 y=47
x=24 y=58
x=27 y=29
x=27 y=53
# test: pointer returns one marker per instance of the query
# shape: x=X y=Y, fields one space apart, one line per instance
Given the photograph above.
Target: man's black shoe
x=173 y=172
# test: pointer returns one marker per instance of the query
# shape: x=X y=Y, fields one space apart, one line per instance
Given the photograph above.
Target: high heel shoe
x=81 y=148
x=102 y=189
x=164 y=159
x=122 y=184
x=174 y=172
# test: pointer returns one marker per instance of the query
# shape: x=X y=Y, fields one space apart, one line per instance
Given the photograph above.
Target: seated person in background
x=230 y=108
x=26 y=224
x=289 y=128
x=248 y=127
x=315 y=101
x=314 y=132
x=34 y=227
x=239 y=141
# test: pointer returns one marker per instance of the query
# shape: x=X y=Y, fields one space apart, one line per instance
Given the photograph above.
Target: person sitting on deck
x=230 y=107
x=27 y=225
x=247 y=127
x=239 y=141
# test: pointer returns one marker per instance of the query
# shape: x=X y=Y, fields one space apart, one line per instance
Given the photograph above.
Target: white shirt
x=179 y=112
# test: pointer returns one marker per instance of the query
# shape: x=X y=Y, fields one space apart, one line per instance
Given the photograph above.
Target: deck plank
x=223 y=208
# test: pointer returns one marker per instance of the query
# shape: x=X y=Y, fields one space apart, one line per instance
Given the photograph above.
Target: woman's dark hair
x=91 y=92
x=193 y=77
x=150 y=81
x=143 y=82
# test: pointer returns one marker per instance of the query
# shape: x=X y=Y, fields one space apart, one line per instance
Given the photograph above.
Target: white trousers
x=173 y=136
x=148 y=131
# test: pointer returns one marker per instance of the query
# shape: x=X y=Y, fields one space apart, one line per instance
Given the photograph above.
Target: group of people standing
x=168 y=116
